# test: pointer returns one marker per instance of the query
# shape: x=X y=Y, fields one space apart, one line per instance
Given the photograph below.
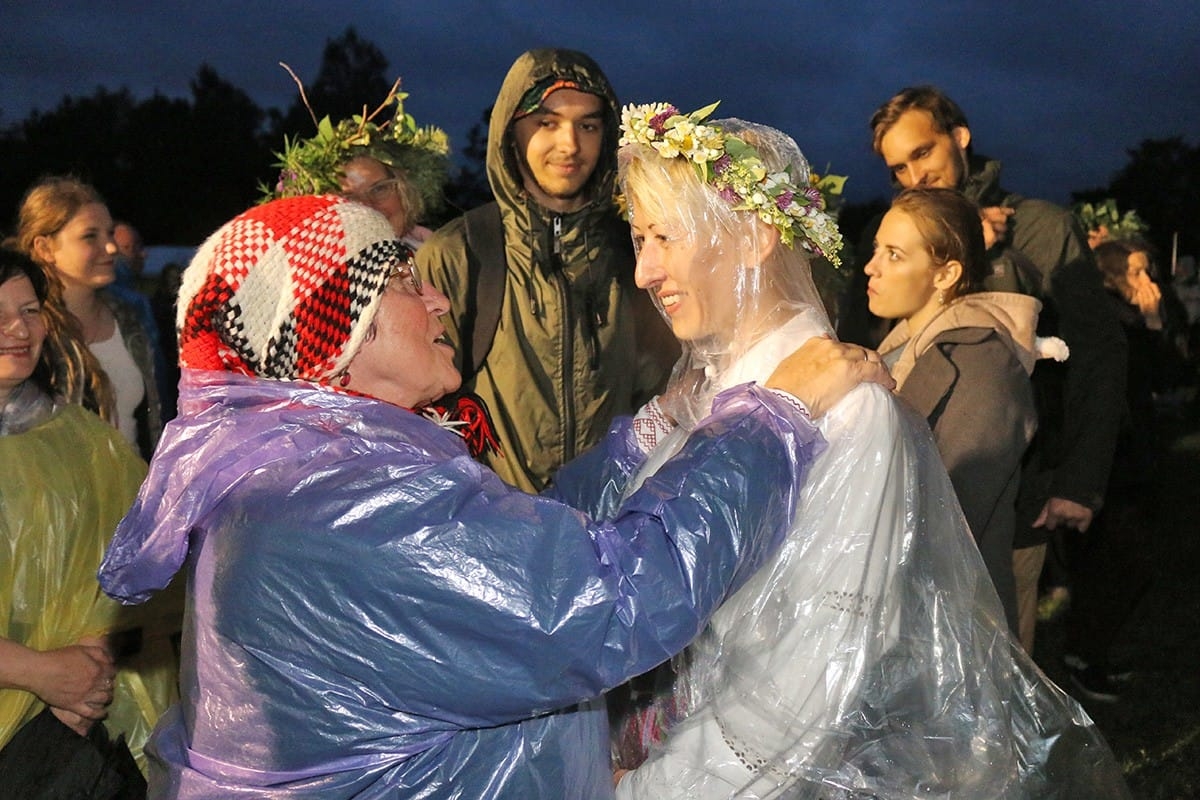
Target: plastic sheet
x=374 y=614
x=871 y=657
x=67 y=483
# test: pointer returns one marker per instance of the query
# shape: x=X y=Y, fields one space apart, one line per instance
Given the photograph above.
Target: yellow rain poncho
x=67 y=482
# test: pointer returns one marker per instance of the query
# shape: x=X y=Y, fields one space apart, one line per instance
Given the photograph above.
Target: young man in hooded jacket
x=574 y=343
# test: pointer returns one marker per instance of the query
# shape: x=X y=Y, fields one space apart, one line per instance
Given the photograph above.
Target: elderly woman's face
x=693 y=279
x=22 y=332
x=406 y=359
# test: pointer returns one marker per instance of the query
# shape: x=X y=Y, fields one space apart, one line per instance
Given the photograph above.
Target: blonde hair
x=758 y=282
x=48 y=206
x=672 y=189
x=46 y=209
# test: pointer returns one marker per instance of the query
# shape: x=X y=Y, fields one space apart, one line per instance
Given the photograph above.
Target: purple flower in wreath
x=658 y=123
x=784 y=200
x=730 y=196
x=721 y=164
x=286 y=178
x=813 y=194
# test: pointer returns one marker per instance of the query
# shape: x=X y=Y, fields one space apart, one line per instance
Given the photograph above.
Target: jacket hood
x=529 y=70
x=1013 y=317
x=981 y=184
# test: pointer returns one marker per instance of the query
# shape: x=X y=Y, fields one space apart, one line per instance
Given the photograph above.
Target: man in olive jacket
x=1036 y=248
x=575 y=343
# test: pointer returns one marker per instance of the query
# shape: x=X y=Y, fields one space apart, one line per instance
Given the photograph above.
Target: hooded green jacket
x=577 y=344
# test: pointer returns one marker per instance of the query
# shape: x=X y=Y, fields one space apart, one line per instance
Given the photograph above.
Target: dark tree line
x=178 y=168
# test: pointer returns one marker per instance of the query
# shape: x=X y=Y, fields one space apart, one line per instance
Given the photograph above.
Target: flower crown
x=738 y=173
x=312 y=166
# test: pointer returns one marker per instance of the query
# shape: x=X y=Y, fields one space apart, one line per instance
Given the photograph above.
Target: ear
x=767 y=239
x=961 y=136
x=42 y=249
x=947 y=276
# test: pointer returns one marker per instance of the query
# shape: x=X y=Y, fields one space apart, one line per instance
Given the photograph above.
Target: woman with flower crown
x=394 y=166
x=870 y=657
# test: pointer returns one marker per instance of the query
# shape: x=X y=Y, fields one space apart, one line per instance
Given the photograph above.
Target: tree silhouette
x=153 y=171
x=229 y=155
x=175 y=169
x=468 y=186
x=353 y=73
x=84 y=136
x=1162 y=181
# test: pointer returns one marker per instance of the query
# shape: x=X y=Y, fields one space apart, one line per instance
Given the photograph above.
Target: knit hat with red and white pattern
x=286 y=290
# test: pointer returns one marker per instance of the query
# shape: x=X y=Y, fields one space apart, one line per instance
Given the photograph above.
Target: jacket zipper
x=567 y=403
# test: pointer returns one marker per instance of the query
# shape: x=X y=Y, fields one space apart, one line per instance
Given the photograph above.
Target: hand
x=995 y=224
x=76 y=679
x=821 y=372
x=1146 y=296
x=81 y=725
x=1067 y=513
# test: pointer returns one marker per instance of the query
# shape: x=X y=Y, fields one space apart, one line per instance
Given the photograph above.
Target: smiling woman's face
x=692 y=276
x=22 y=332
x=83 y=252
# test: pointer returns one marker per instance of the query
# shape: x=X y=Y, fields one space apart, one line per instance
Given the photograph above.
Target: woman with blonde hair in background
x=65 y=226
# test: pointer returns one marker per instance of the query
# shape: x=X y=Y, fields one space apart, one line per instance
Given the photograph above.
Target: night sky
x=1058 y=90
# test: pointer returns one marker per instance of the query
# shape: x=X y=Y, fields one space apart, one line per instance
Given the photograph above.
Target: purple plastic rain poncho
x=371 y=613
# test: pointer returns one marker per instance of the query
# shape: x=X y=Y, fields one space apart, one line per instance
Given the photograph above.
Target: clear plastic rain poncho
x=871 y=657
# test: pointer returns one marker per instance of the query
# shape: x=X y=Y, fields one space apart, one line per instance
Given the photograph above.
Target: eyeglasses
x=406 y=273
x=375 y=193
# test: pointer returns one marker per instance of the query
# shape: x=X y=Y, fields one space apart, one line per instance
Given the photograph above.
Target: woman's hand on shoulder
x=823 y=371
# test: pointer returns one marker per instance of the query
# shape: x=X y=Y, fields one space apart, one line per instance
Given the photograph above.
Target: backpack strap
x=487 y=267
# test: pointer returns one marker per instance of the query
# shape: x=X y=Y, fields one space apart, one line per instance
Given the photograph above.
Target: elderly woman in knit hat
x=370 y=611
